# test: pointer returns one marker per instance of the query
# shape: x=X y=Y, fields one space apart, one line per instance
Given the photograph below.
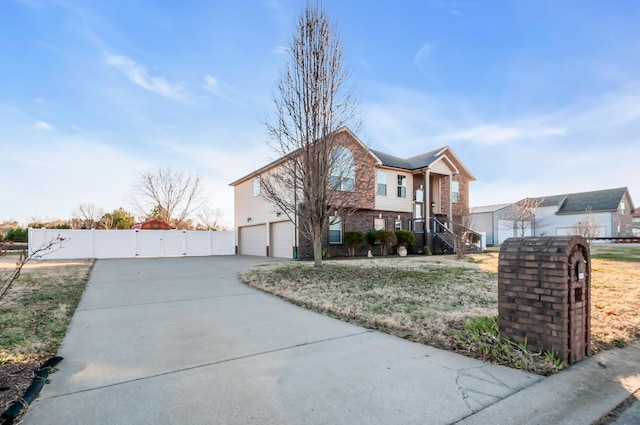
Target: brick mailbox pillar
x=544 y=291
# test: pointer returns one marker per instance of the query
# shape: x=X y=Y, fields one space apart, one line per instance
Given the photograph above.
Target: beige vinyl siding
x=392 y=202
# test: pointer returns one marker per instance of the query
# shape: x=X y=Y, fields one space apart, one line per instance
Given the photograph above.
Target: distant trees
x=118 y=219
x=589 y=227
x=87 y=216
x=167 y=194
x=209 y=218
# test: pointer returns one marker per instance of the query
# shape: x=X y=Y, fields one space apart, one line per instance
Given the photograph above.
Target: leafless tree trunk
x=588 y=228
x=87 y=216
x=173 y=191
x=209 y=219
x=462 y=229
x=522 y=213
x=312 y=102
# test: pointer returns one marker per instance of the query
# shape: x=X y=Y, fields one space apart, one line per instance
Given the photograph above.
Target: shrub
x=372 y=237
x=17 y=234
x=405 y=237
x=354 y=239
x=426 y=250
x=387 y=239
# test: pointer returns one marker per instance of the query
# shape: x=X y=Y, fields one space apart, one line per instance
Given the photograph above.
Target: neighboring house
x=494 y=220
x=604 y=213
x=387 y=192
x=635 y=224
x=152 y=224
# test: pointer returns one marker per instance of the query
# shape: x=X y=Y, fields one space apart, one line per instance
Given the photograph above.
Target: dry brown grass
x=436 y=299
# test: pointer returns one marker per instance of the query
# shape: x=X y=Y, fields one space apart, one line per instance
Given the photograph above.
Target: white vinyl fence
x=132 y=243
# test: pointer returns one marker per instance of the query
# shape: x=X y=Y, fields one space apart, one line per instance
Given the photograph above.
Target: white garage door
x=282 y=239
x=253 y=240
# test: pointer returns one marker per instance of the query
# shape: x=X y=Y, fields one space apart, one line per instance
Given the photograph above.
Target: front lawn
x=443 y=302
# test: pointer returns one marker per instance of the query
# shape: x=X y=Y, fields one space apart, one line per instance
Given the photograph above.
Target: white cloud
x=43 y=125
x=138 y=75
x=495 y=134
x=423 y=55
x=222 y=90
x=281 y=50
x=210 y=84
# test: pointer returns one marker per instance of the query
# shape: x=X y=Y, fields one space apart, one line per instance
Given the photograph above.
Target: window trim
x=380 y=185
x=402 y=186
x=455 y=194
x=336 y=221
x=345 y=166
x=256 y=186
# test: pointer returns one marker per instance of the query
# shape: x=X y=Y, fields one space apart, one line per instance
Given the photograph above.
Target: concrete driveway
x=181 y=341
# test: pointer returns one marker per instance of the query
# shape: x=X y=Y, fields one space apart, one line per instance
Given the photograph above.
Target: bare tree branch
x=523 y=214
x=174 y=192
x=312 y=103
x=7 y=280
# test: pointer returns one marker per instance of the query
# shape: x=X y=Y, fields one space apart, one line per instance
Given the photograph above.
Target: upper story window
x=335 y=230
x=381 y=180
x=455 y=192
x=256 y=186
x=402 y=186
x=342 y=173
x=622 y=207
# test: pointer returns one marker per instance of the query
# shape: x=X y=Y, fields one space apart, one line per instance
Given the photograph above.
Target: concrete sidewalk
x=181 y=341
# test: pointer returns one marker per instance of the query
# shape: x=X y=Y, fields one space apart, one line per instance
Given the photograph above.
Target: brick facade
x=544 y=290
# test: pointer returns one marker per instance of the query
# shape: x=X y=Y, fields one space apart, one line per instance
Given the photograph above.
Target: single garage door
x=253 y=240
x=282 y=239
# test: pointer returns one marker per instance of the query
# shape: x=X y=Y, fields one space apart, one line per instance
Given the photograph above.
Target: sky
x=535 y=97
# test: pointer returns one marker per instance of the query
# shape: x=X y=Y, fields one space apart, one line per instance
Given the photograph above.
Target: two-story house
x=385 y=191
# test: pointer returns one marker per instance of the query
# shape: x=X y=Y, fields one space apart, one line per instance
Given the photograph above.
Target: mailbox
x=544 y=291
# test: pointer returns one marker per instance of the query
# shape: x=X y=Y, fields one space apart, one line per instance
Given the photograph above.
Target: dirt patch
x=15 y=378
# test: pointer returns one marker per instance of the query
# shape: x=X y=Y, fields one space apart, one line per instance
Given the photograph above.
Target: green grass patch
x=37 y=311
x=624 y=253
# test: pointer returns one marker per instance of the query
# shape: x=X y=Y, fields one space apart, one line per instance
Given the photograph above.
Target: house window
x=402 y=186
x=378 y=223
x=256 y=186
x=622 y=207
x=398 y=224
x=455 y=192
x=342 y=170
x=381 y=179
x=335 y=230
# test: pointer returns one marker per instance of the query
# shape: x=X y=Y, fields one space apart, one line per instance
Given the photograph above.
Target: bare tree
x=87 y=216
x=312 y=102
x=589 y=227
x=7 y=280
x=464 y=235
x=523 y=214
x=209 y=218
x=177 y=193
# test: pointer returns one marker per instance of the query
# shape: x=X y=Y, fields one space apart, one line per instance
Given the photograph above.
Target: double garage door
x=253 y=240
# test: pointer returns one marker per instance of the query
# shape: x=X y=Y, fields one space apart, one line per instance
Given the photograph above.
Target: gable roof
x=424 y=160
x=597 y=200
x=487 y=208
x=414 y=163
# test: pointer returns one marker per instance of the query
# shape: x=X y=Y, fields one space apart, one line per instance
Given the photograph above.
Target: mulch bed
x=15 y=378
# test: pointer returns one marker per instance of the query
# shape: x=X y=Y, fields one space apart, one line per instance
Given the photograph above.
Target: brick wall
x=541 y=301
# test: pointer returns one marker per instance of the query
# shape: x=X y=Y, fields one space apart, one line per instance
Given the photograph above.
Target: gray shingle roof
x=599 y=200
x=414 y=163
